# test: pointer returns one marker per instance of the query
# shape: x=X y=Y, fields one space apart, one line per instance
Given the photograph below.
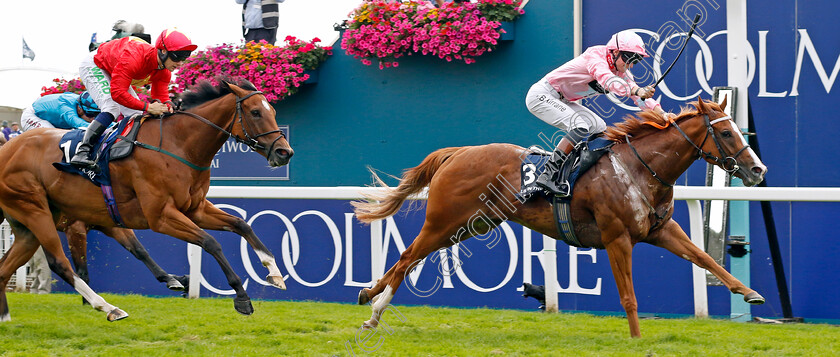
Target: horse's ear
x=701 y=105
x=723 y=103
x=224 y=84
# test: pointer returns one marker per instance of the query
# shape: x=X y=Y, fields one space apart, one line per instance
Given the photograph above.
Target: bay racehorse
x=624 y=199
x=76 y=233
x=163 y=190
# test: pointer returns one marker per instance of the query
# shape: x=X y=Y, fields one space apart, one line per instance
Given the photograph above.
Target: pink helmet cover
x=627 y=41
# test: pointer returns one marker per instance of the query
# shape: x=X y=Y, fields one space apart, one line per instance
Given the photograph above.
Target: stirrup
x=81 y=161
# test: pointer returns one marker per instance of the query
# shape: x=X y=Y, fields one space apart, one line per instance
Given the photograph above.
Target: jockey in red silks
x=109 y=72
x=598 y=70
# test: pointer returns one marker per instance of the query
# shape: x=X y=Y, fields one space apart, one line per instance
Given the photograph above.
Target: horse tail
x=379 y=206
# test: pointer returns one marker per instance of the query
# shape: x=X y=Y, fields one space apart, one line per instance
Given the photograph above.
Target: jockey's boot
x=82 y=158
x=551 y=173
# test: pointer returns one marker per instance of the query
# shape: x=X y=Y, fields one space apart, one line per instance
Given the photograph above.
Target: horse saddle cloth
x=115 y=143
x=581 y=159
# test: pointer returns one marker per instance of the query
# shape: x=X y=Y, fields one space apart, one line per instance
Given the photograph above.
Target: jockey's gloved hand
x=645 y=92
x=158 y=108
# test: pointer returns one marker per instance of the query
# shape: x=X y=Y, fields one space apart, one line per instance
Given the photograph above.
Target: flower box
x=385 y=31
x=278 y=71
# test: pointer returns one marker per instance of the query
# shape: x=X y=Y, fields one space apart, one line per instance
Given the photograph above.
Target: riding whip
x=690 y=32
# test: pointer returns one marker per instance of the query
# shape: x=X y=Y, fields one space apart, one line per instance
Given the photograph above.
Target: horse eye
x=255 y=113
x=726 y=134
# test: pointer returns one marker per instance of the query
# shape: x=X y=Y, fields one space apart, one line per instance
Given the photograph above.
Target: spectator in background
x=39 y=271
x=64 y=111
x=122 y=29
x=4 y=128
x=260 y=19
x=15 y=131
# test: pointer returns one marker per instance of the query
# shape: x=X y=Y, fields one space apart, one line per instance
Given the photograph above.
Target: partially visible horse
x=624 y=199
x=152 y=190
x=77 y=233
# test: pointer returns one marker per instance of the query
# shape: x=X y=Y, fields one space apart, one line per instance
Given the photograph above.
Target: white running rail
x=18 y=281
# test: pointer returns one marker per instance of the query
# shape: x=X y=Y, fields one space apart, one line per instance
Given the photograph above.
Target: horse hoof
x=369 y=324
x=243 y=306
x=174 y=284
x=754 y=298
x=277 y=281
x=116 y=314
x=363 y=296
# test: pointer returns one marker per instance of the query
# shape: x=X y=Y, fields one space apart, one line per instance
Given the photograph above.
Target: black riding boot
x=82 y=158
x=551 y=173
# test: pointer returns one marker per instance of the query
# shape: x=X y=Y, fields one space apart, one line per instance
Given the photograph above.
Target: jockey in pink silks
x=598 y=70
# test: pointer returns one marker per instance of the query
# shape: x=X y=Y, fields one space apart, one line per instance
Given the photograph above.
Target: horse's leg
x=44 y=231
x=129 y=241
x=172 y=222
x=215 y=219
x=367 y=293
x=620 y=252
x=76 y=233
x=433 y=236
x=18 y=254
x=672 y=237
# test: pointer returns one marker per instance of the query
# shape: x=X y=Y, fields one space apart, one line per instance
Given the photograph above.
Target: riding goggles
x=630 y=57
x=91 y=114
x=179 y=56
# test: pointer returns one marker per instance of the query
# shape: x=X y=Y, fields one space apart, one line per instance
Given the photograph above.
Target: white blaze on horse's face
x=751 y=175
x=266 y=105
x=750 y=151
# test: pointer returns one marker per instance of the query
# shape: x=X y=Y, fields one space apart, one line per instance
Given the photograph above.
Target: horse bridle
x=727 y=163
x=250 y=141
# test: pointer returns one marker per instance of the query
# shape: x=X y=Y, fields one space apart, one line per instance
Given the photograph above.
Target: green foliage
x=58 y=324
x=500 y=10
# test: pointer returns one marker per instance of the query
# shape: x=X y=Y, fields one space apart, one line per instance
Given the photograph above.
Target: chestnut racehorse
x=161 y=189
x=624 y=199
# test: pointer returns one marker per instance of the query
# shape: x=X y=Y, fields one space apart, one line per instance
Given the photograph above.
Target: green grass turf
x=58 y=324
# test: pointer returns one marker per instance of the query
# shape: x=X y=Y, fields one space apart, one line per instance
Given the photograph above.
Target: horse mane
x=205 y=90
x=634 y=125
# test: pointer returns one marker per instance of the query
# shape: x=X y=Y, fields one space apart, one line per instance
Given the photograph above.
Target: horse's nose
x=284 y=154
x=757 y=172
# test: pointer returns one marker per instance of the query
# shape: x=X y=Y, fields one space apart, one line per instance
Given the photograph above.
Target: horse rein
x=250 y=141
x=727 y=163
